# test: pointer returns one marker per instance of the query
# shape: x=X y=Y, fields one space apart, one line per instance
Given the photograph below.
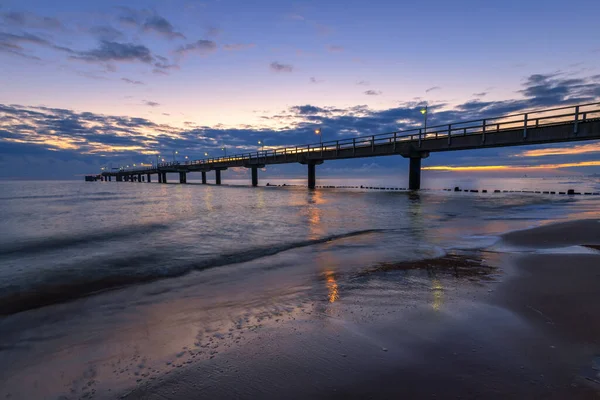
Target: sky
x=91 y=84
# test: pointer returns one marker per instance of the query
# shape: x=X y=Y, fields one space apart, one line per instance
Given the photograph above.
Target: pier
x=564 y=124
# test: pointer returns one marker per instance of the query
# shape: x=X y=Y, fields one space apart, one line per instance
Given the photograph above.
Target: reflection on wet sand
x=332 y=287
x=438 y=294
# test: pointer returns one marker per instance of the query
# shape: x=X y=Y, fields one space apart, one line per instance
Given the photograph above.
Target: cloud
x=363 y=83
x=151 y=103
x=480 y=94
x=296 y=17
x=160 y=25
x=114 y=51
x=32 y=21
x=13 y=43
x=335 y=48
x=307 y=110
x=373 y=92
x=85 y=135
x=212 y=31
x=106 y=33
x=431 y=89
x=577 y=149
x=132 y=81
x=199 y=46
x=277 y=67
x=238 y=46
x=314 y=80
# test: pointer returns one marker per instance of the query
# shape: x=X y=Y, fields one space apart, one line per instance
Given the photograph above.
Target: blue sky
x=90 y=83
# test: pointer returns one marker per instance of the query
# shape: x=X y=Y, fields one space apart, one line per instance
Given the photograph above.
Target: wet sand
x=529 y=328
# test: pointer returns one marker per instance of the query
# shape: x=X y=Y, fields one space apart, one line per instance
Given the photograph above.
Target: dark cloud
x=199 y=46
x=372 y=92
x=335 y=48
x=13 y=43
x=148 y=21
x=314 y=80
x=238 y=46
x=307 y=110
x=33 y=21
x=106 y=33
x=151 y=103
x=278 y=67
x=363 y=83
x=431 y=89
x=160 y=25
x=131 y=81
x=115 y=51
x=480 y=94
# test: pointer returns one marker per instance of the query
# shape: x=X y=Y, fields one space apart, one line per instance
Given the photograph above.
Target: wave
x=50 y=244
x=57 y=196
x=101 y=275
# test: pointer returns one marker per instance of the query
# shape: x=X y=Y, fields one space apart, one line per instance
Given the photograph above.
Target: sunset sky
x=85 y=84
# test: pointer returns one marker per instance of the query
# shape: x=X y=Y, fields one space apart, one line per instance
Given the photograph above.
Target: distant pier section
x=556 y=125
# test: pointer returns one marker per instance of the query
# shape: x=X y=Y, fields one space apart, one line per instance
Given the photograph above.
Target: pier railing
x=484 y=126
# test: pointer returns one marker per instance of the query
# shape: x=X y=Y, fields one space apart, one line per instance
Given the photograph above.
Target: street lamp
x=319 y=132
x=225 y=150
x=175 y=152
x=424 y=112
x=262 y=143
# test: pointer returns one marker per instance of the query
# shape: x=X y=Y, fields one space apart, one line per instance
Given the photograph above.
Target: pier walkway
x=564 y=124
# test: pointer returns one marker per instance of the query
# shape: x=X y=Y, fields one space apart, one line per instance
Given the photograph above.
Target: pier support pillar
x=182 y=177
x=148 y=178
x=204 y=177
x=110 y=178
x=312 y=176
x=218 y=176
x=254 y=176
x=414 y=177
x=139 y=177
x=164 y=177
x=160 y=177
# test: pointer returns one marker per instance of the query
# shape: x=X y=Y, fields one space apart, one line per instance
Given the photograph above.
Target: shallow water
x=116 y=283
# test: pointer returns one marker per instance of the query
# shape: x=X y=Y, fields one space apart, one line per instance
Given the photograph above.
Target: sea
x=105 y=286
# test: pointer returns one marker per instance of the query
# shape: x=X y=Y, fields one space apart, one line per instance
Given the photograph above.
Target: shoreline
x=532 y=334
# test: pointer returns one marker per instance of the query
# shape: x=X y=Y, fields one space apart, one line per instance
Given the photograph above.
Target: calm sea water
x=92 y=274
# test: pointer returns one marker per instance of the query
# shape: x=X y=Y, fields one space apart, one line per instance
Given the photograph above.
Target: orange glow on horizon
x=511 y=167
x=581 y=149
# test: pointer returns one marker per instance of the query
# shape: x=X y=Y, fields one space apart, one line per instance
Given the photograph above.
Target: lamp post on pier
x=319 y=132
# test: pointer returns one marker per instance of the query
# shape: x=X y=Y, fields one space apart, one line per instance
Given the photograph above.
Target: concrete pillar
x=312 y=178
x=164 y=177
x=254 y=176
x=204 y=177
x=148 y=179
x=414 y=177
x=182 y=177
x=110 y=178
x=160 y=177
x=139 y=177
x=218 y=176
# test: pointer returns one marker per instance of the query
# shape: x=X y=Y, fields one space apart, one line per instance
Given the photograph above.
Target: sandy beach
x=530 y=329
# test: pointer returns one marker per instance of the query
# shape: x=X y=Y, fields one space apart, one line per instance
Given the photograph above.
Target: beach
x=535 y=335
x=438 y=295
